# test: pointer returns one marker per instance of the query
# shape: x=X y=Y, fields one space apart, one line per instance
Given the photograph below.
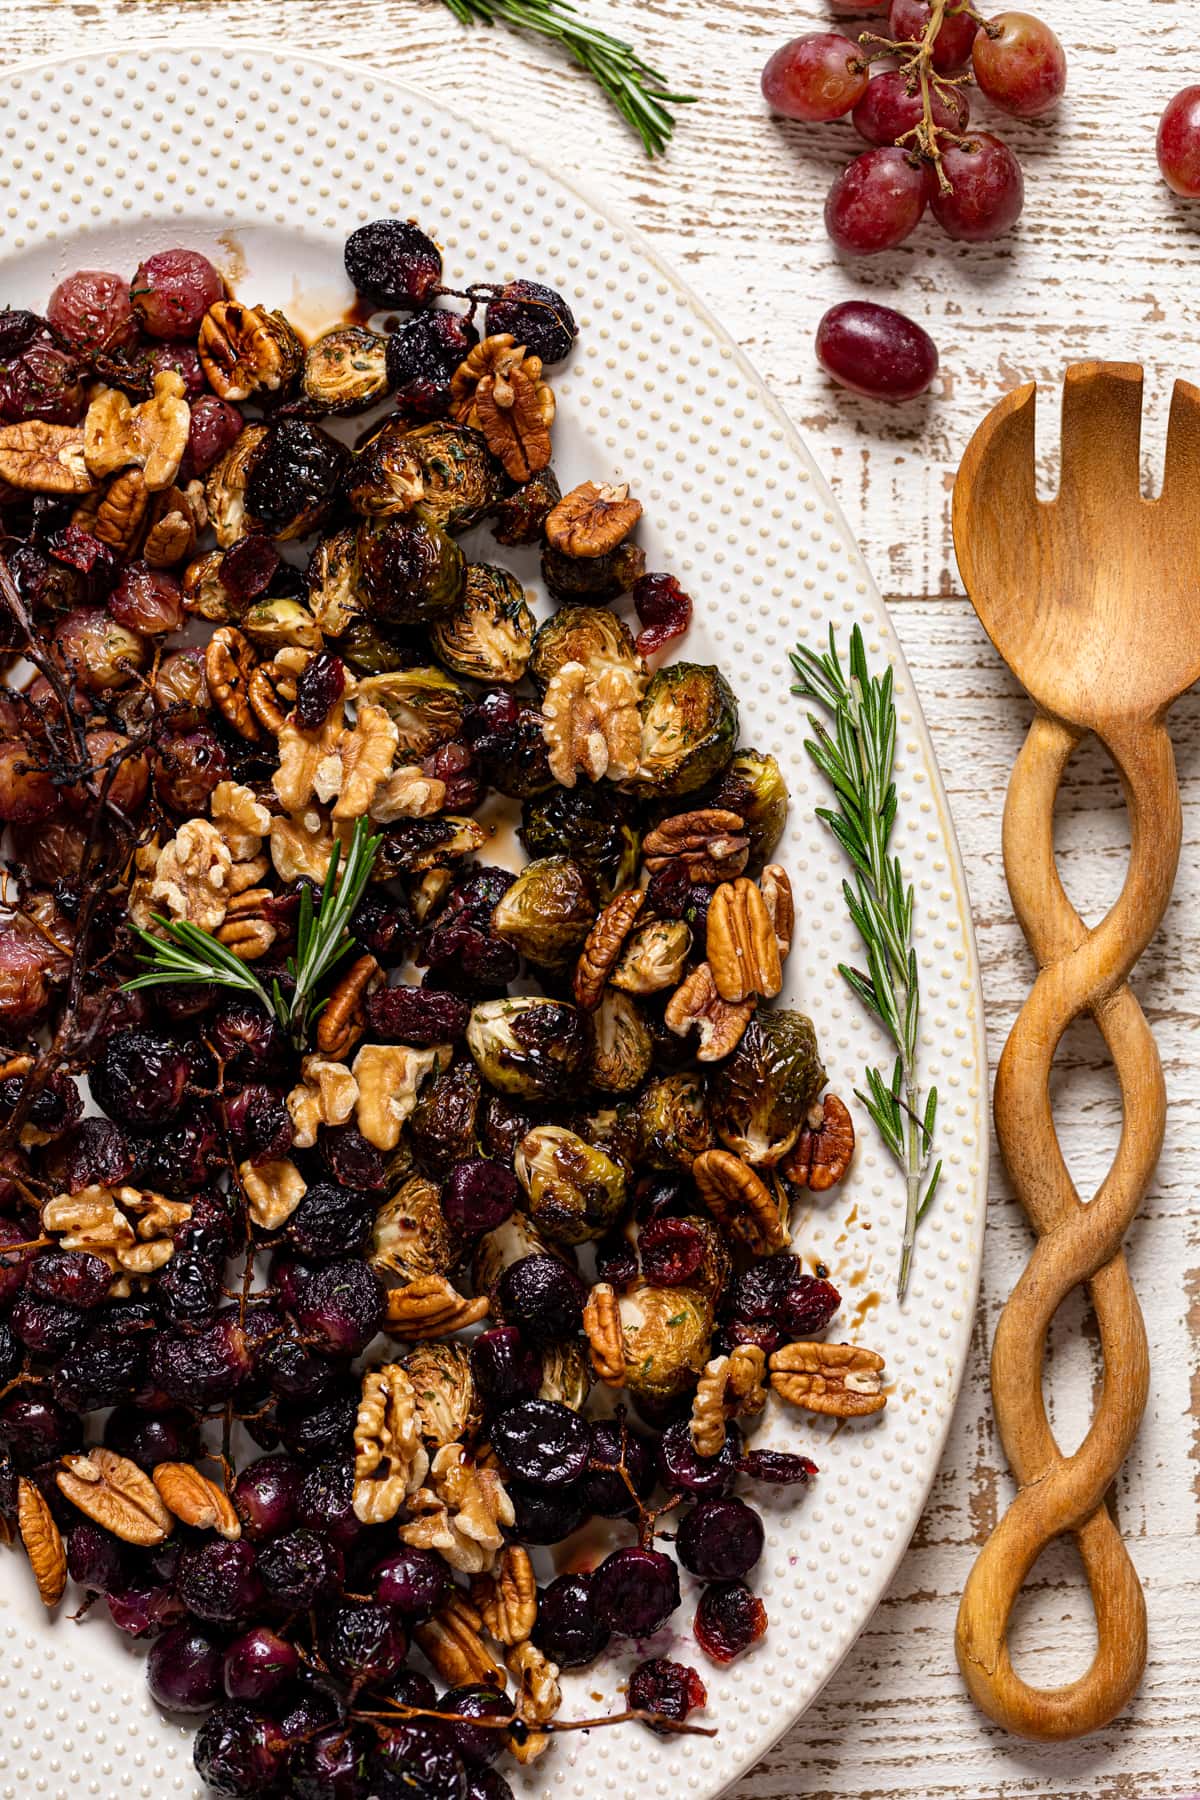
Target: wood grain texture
x=1102 y=265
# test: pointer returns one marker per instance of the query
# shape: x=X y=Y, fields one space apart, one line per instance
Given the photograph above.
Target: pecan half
x=739 y=1200
x=741 y=946
x=452 y=1641
x=44 y=459
x=729 y=1387
x=245 y=931
x=710 y=843
x=42 y=1540
x=842 y=1380
x=430 y=1307
x=245 y=349
x=592 y=519
x=195 y=1500
x=176 y=515
x=507 y=1600
x=603 y=945
x=272 y=694
x=823 y=1150
x=606 y=1340
x=113 y=1492
x=499 y=389
x=776 y=890
x=344 y=1019
x=229 y=662
x=122 y=513
x=696 y=1004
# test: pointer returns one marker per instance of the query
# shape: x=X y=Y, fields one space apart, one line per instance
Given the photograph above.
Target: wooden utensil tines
x=1091 y=599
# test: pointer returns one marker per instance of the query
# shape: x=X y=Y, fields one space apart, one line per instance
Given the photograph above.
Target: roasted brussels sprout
x=425 y=705
x=530 y=1046
x=592 y=578
x=459 y=478
x=668 y=1335
x=584 y=634
x=518 y=517
x=653 y=957
x=386 y=476
x=293 y=478
x=225 y=487
x=622 y=1048
x=489 y=634
x=566 y=1374
x=415 y=845
x=331 y=580
x=760 y=1097
x=547 y=912
x=753 y=787
x=449 y=1410
x=575 y=1191
x=443 y=1127
x=613 y=1129
x=411 y=571
x=273 y=624
x=597 y=827
x=673 y=1122
x=689 y=729
x=509 y=1243
x=345 y=371
x=370 y=650
x=411 y=1235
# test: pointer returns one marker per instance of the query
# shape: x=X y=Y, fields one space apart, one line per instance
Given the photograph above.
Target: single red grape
x=1179 y=143
x=907 y=20
x=887 y=109
x=987 y=190
x=817 y=77
x=90 y=311
x=172 y=291
x=1020 y=64
x=876 y=201
x=856 y=9
x=875 y=351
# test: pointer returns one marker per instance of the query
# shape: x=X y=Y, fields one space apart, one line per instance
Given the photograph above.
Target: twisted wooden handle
x=1080 y=971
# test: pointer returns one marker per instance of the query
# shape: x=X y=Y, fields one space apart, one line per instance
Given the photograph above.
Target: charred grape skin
x=258 y=1664
x=239 y=1752
x=682 y=1471
x=392 y=263
x=566 y=1628
x=18 y=328
x=341 y=1305
x=818 y=77
x=72 y=1277
x=876 y=201
x=907 y=20
x=672 y=1251
x=535 y=316
x=214 y=428
x=635 y=1592
x=888 y=109
x=668 y=1690
x=987 y=190
x=90 y=312
x=183 y=1669
x=412 y=1580
x=479 y=1195
x=720 y=1539
x=219 y=1581
x=543 y=1297
x=171 y=292
x=364 y=1642
x=201 y=1367
x=415 y=1016
x=507 y=1369
x=422 y=356
x=476 y=1744
x=44 y=1327
x=729 y=1620
x=875 y=351
x=542 y=1442
x=330 y=1222
x=414 y=1761
x=1020 y=65
x=1178 y=143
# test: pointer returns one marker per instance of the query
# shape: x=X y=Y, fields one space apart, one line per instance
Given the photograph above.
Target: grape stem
x=926 y=138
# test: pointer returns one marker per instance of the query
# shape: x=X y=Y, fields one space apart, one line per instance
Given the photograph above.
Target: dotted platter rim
x=789 y=555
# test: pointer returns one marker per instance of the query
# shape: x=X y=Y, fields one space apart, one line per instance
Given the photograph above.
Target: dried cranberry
x=479 y=1195
x=668 y=1690
x=672 y=1250
x=80 y=551
x=454 y=765
x=172 y=291
x=664 y=611
x=616 y=1259
x=44 y=1326
x=506 y=734
x=147 y=600
x=321 y=684
x=215 y=427
x=779 y=1467
x=635 y=1591
x=416 y=1016
x=757 y=1292
x=248 y=568
x=90 y=311
x=807 y=1307
x=506 y=1368
x=43 y=382
x=468 y=958
x=535 y=316
x=682 y=1471
x=721 y=1539
x=17 y=329
x=351 y=1160
x=729 y=1619
x=423 y=355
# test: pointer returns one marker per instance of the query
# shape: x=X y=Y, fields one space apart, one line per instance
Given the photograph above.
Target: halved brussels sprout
x=530 y=1046
x=489 y=634
x=547 y=912
x=509 y=1243
x=412 y=1236
x=760 y=1096
x=584 y=634
x=689 y=729
x=668 y=1335
x=425 y=705
x=460 y=479
x=613 y=1129
x=575 y=1191
x=332 y=582
x=414 y=845
x=653 y=957
x=593 y=578
x=566 y=1374
x=753 y=787
x=275 y=624
x=386 y=477
x=442 y=1127
x=345 y=370
x=622 y=1048
x=673 y=1122
x=411 y=571
x=449 y=1410
x=369 y=650
x=597 y=826
x=518 y=518
x=225 y=486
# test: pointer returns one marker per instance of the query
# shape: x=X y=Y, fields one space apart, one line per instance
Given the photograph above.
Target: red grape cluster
x=906 y=94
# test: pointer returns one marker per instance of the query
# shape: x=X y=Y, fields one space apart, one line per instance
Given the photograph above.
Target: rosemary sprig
x=857 y=757
x=190 y=956
x=638 y=91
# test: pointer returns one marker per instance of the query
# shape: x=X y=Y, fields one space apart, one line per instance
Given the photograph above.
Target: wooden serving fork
x=1093 y=601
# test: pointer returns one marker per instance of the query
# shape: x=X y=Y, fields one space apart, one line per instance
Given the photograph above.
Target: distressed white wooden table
x=1103 y=263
